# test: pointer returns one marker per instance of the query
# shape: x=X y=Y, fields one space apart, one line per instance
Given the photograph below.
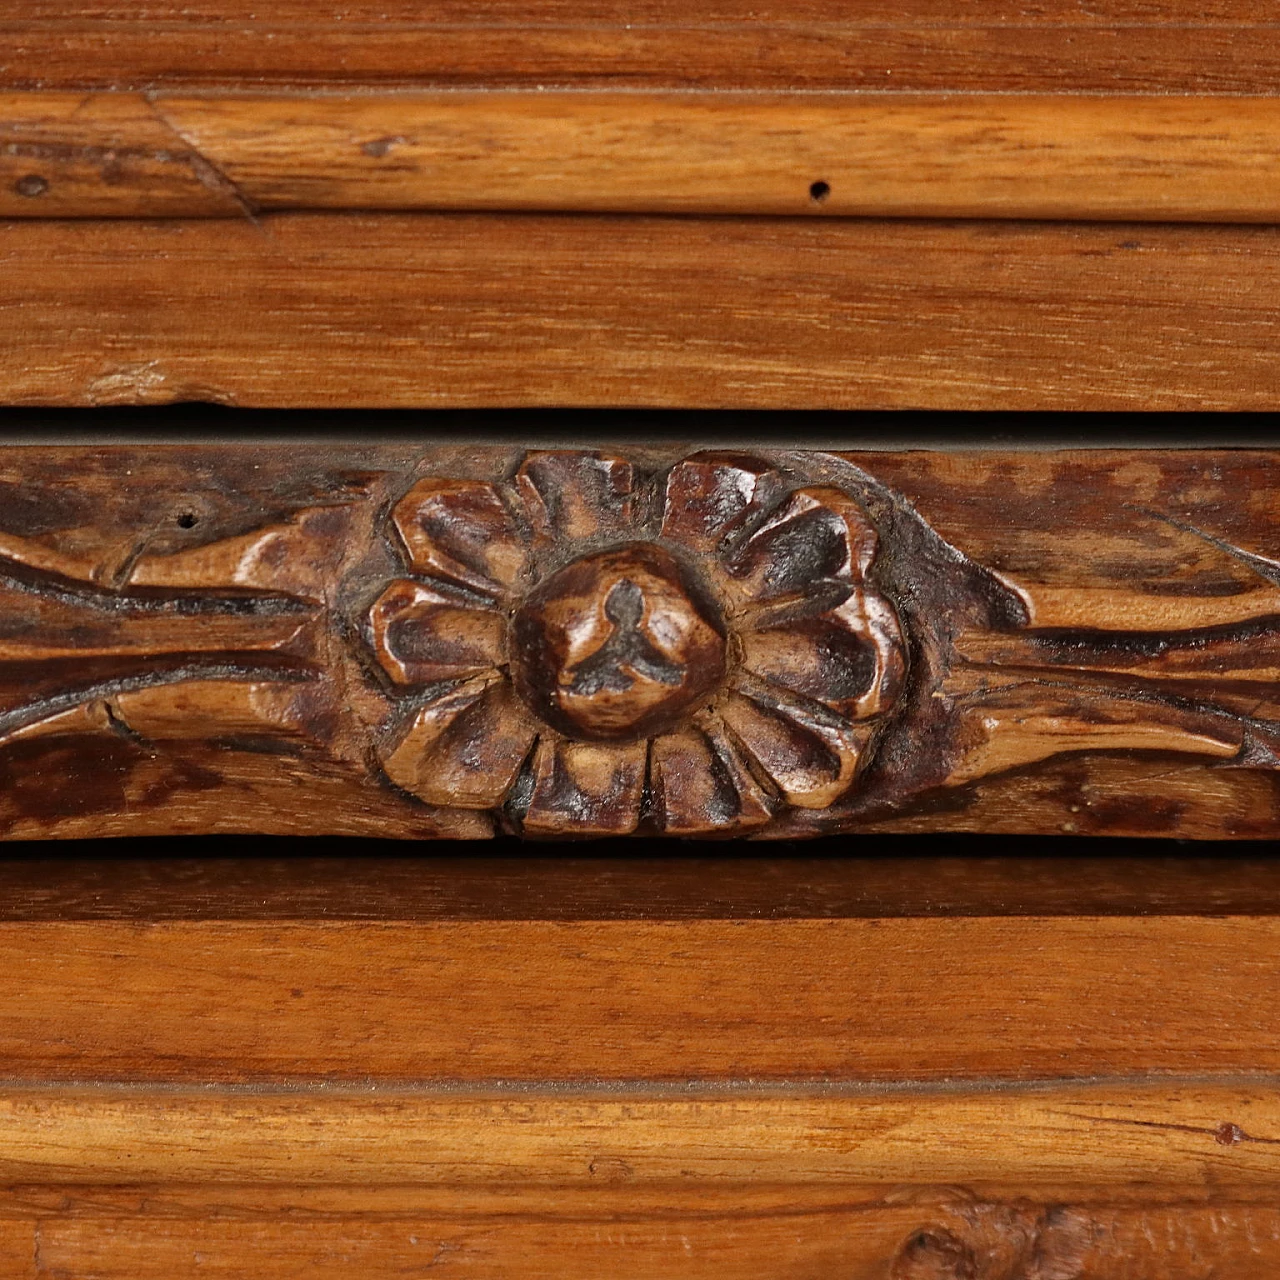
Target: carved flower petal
x=812 y=763
x=712 y=495
x=702 y=786
x=576 y=495
x=421 y=635
x=464 y=750
x=817 y=534
x=851 y=658
x=462 y=530
x=586 y=789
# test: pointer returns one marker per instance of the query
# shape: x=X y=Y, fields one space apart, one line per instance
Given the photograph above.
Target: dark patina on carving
x=591 y=668
x=462 y=639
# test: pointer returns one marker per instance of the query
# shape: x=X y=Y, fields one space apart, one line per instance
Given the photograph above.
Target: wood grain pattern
x=1145 y=1175
x=64 y=154
x=1210 y=1138
x=467 y=640
x=1052 y=47
x=292 y=881
x=930 y=1233
x=455 y=310
x=866 y=154
x=885 y=1000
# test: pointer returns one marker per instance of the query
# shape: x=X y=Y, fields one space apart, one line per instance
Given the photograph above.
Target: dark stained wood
x=266 y=1233
x=701 y=882
x=457 y=310
x=465 y=640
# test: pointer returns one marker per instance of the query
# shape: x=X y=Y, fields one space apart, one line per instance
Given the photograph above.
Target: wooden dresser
x=581 y=426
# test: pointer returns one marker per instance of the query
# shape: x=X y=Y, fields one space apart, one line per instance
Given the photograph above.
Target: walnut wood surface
x=1154 y=158
x=451 y=641
x=456 y=310
x=1121 y=46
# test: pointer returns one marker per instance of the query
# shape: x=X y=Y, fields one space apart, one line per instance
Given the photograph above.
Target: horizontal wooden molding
x=1153 y=46
x=473 y=1002
x=630 y=1231
x=466 y=640
x=409 y=311
x=174 y=154
x=1212 y=1135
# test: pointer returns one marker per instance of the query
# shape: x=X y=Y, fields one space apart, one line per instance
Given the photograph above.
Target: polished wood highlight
x=452 y=310
x=1160 y=159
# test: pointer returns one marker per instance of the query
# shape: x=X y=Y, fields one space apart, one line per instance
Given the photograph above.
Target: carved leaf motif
x=422 y=636
x=586 y=788
x=712 y=496
x=817 y=534
x=810 y=762
x=701 y=784
x=461 y=529
x=466 y=748
x=576 y=496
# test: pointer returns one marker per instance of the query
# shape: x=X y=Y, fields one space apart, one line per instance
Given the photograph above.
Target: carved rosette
x=589 y=668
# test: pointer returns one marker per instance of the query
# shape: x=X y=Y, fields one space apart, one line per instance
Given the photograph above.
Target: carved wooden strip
x=1130 y=158
x=1192 y=1138
x=688 y=313
x=708 y=1000
x=573 y=642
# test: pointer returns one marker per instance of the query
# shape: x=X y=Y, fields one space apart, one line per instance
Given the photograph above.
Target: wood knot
x=31 y=186
x=975 y=1240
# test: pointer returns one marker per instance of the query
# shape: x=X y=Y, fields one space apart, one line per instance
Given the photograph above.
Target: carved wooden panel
x=455 y=641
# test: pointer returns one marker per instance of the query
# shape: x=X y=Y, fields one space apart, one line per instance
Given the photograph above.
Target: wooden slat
x=629 y=1232
x=1126 y=47
x=701 y=882
x=455 y=310
x=877 y=155
x=891 y=999
x=1181 y=1136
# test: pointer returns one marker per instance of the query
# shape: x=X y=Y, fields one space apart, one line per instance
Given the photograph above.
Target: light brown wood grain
x=106 y=154
x=1182 y=1136
x=864 y=154
x=629 y=1232
x=905 y=999
x=454 y=310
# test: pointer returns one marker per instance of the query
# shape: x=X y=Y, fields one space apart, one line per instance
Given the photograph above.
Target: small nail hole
x=819 y=191
x=32 y=185
x=187 y=521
